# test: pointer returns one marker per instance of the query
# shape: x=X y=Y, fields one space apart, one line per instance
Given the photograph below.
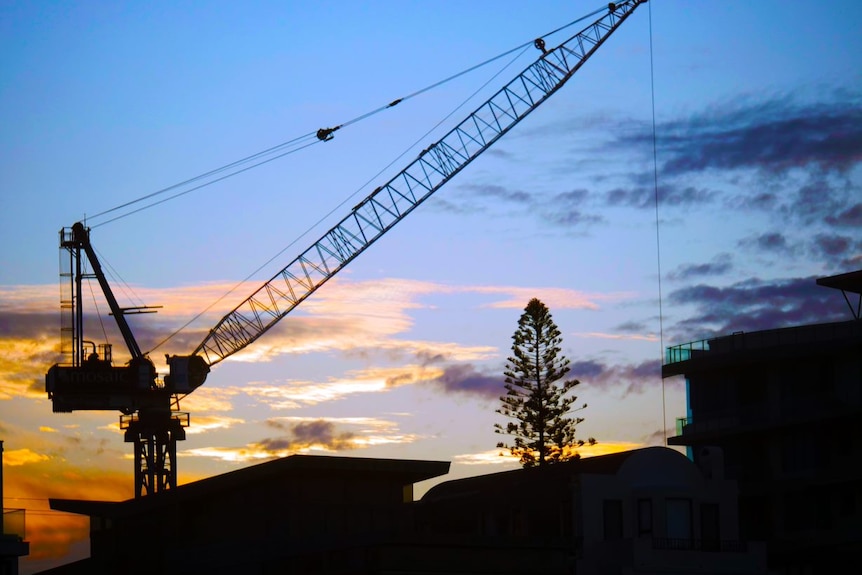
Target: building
x=12 y=533
x=784 y=407
x=299 y=514
x=643 y=511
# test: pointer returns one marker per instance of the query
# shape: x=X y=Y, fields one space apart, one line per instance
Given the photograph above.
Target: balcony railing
x=685 y=351
x=723 y=546
x=821 y=334
x=13 y=523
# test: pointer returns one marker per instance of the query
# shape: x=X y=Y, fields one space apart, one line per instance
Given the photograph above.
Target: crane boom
x=390 y=203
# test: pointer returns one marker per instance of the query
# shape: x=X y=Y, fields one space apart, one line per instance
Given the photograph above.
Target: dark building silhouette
x=648 y=511
x=780 y=412
x=642 y=511
x=12 y=533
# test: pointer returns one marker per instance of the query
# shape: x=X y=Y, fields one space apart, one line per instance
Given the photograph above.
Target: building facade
x=780 y=412
x=648 y=511
x=12 y=532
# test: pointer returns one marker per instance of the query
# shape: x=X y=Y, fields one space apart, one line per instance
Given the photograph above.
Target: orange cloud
x=504 y=457
x=294 y=394
x=53 y=534
x=308 y=435
x=204 y=423
x=15 y=457
x=554 y=298
x=23 y=364
x=208 y=399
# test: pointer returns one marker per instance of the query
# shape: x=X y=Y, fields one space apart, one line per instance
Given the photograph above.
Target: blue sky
x=757 y=165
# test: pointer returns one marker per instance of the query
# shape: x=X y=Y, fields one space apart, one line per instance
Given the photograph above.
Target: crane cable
x=657 y=234
x=247 y=159
x=323 y=218
x=328 y=131
x=298 y=143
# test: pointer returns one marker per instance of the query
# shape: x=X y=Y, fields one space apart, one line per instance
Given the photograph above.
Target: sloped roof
x=849 y=282
x=508 y=481
x=406 y=471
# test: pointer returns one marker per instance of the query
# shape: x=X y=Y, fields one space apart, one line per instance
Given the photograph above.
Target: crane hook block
x=325 y=134
x=540 y=44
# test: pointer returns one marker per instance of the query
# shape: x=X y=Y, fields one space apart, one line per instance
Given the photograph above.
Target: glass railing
x=685 y=351
x=13 y=523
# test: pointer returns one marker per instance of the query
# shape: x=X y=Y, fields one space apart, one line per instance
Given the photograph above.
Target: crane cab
x=187 y=373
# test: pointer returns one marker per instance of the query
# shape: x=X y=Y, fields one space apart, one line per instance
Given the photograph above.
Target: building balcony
x=766 y=345
x=662 y=555
x=759 y=417
x=699 y=556
x=12 y=536
x=14 y=523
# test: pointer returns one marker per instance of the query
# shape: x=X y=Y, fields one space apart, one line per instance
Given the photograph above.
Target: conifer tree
x=537 y=402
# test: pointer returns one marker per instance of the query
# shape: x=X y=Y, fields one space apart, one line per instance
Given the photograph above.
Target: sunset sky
x=757 y=165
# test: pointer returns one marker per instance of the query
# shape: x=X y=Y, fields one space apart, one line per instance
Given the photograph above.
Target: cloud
x=358 y=318
x=617 y=336
x=769 y=242
x=780 y=155
x=16 y=457
x=308 y=435
x=295 y=394
x=625 y=379
x=669 y=194
x=504 y=456
x=833 y=245
x=755 y=304
x=208 y=399
x=490 y=457
x=720 y=265
x=850 y=217
x=204 y=423
x=53 y=535
x=497 y=192
x=771 y=135
x=466 y=379
x=554 y=298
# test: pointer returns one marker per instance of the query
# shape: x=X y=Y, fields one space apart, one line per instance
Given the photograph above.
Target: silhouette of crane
x=150 y=415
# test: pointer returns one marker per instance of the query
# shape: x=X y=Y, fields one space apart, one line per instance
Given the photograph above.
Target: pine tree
x=539 y=404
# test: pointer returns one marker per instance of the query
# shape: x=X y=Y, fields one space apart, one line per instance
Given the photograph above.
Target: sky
x=693 y=179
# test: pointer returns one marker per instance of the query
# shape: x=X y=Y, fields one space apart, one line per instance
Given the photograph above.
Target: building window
x=678 y=515
x=644 y=516
x=710 y=532
x=613 y=519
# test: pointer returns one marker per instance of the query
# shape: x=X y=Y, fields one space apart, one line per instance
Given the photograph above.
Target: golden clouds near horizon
x=504 y=457
x=16 y=457
x=35 y=478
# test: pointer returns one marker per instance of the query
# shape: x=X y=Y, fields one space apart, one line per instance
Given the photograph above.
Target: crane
x=150 y=415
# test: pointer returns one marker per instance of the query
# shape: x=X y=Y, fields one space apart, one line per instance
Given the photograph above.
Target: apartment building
x=780 y=412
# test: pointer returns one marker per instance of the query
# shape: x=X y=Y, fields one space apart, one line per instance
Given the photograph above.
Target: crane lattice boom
x=151 y=417
x=390 y=203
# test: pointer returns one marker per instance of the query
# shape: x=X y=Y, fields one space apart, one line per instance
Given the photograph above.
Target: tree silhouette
x=539 y=404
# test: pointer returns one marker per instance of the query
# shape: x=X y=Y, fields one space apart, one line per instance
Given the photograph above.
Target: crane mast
x=150 y=413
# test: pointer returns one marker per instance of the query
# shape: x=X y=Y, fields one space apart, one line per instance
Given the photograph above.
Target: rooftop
x=295 y=466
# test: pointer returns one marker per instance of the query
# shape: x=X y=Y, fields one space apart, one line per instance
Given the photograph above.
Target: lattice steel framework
x=390 y=203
